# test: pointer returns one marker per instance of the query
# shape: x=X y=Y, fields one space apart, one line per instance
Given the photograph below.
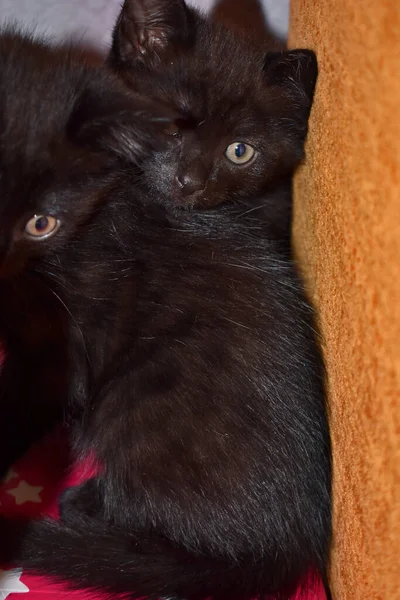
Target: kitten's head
x=65 y=129
x=245 y=111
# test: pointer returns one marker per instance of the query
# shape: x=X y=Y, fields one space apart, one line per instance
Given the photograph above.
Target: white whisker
x=74 y=320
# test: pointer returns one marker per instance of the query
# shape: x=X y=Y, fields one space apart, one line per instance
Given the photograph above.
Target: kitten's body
x=40 y=164
x=193 y=370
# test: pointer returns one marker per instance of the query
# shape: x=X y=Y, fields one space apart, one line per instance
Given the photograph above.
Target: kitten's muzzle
x=188 y=185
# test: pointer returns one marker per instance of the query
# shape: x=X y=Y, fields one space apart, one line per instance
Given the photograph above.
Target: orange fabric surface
x=347 y=239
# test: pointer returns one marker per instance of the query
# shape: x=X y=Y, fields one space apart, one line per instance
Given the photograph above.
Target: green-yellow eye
x=239 y=153
x=41 y=227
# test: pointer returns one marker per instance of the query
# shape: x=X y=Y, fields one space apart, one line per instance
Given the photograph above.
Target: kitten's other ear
x=146 y=28
x=296 y=70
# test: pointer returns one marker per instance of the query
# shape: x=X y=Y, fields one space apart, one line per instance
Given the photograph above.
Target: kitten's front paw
x=8 y=456
x=4 y=531
x=79 y=502
x=11 y=532
x=68 y=505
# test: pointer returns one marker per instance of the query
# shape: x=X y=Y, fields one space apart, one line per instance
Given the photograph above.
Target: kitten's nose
x=189 y=184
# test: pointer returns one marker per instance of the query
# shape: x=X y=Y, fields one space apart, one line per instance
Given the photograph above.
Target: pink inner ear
x=155 y=39
x=144 y=41
x=148 y=25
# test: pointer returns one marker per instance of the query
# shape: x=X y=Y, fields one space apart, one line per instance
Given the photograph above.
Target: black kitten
x=245 y=110
x=193 y=374
x=51 y=106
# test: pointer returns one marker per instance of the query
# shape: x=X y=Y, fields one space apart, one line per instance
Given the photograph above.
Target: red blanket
x=31 y=489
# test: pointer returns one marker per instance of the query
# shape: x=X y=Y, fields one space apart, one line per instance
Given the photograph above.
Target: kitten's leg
x=18 y=431
x=27 y=411
x=14 y=438
x=82 y=501
x=15 y=422
x=79 y=502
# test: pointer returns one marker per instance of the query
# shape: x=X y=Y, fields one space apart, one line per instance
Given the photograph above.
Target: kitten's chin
x=196 y=200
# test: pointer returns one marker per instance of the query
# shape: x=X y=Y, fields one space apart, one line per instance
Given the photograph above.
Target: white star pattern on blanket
x=26 y=493
x=10 y=583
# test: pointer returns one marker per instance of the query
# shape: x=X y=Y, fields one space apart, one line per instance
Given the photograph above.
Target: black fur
x=52 y=105
x=229 y=89
x=181 y=346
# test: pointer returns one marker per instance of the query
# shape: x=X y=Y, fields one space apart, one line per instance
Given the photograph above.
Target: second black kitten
x=193 y=371
x=52 y=105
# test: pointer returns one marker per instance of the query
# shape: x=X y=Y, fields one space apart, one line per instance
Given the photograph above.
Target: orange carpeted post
x=347 y=240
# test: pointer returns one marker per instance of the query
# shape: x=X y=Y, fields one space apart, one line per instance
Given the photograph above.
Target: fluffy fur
x=228 y=89
x=179 y=345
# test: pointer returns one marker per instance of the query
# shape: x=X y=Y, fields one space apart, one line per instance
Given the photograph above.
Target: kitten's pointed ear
x=146 y=28
x=294 y=69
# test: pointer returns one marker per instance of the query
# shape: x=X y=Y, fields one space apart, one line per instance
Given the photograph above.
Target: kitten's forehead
x=220 y=75
x=228 y=57
x=38 y=88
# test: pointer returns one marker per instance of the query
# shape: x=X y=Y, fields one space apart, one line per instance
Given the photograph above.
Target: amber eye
x=239 y=153
x=41 y=227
